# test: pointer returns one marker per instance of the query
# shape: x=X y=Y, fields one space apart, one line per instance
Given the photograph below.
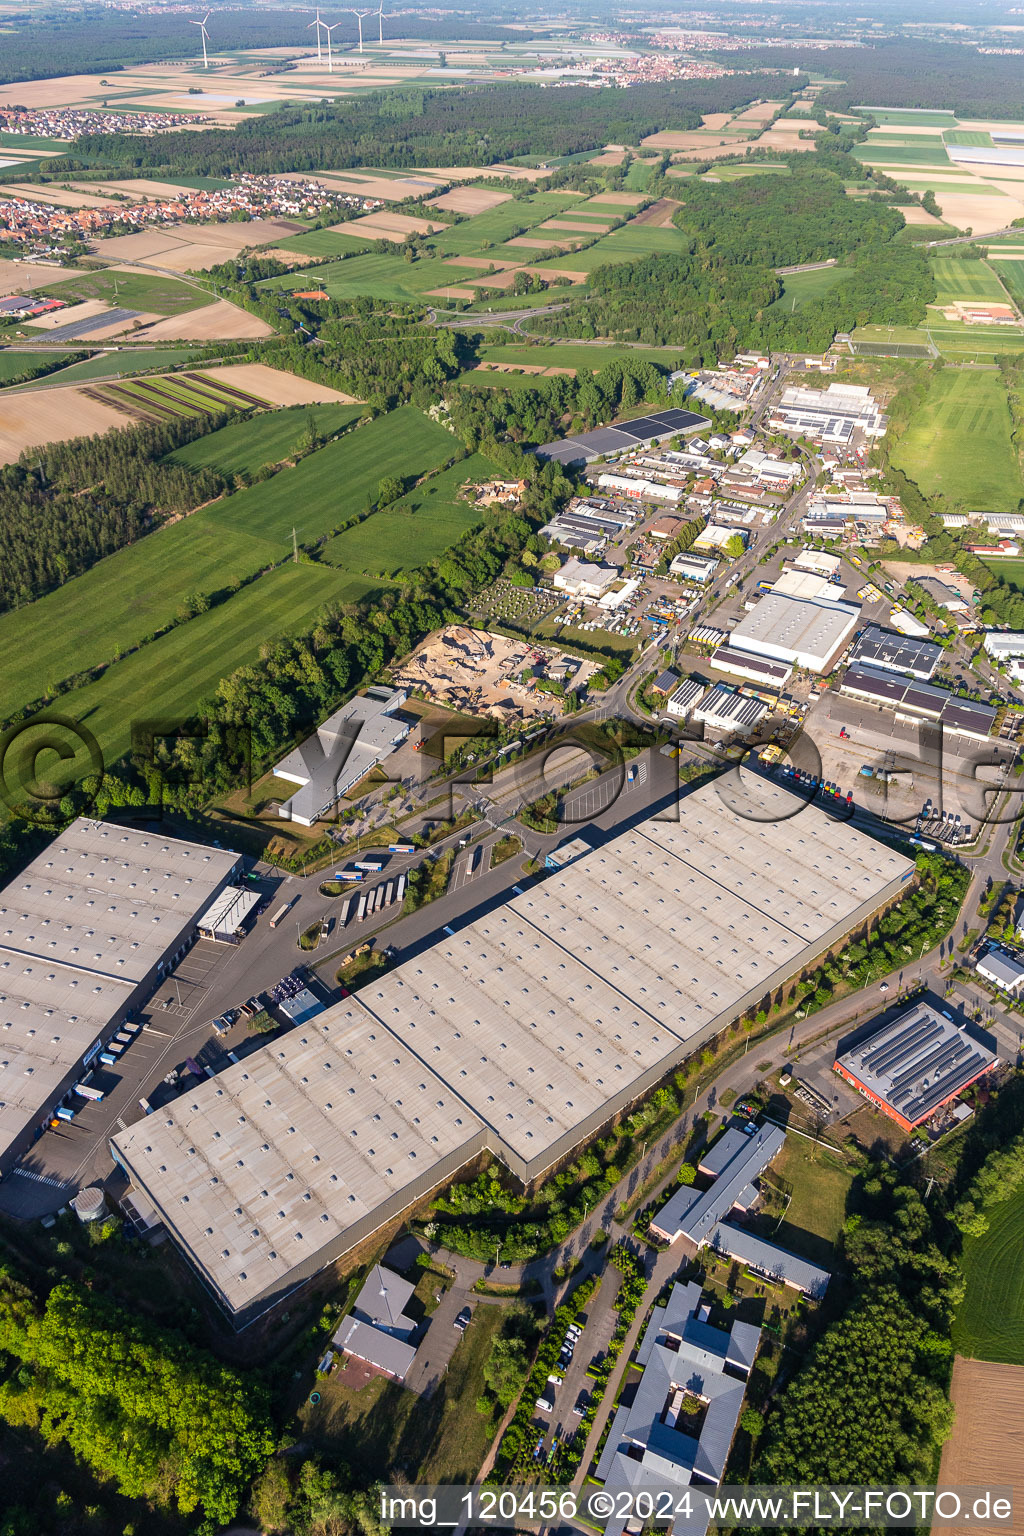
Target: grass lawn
x=755 y=168
x=800 y=288
x=173 y=675
x=405 y=536
x=820 y=1183
x=386 y=1430
x=121 y=600
x=990 y=1323
x=337 y=481
x=958 y=443
x=266 y=438
x=1010 y=570
x=966 y=281
x=137 y=290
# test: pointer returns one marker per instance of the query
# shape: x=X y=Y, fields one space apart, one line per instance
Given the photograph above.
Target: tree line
x=476 y=125
x=67 y=505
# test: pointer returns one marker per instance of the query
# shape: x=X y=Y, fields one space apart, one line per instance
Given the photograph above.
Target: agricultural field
x=754 y=168
x=168 y=396
x=911 y=118
x=1012 y=275
x=122 y=600
x=378 y=274
x=990 y=1322
x=406 y=536
x=965 y=281
x=174 y=674
x=339 y=481
x=324 y=242
x=983 y=1450
x=901 y=154
x=957 y=443
x=244 y=446
x=150 y=293
x=108 y=365
x=12 y=364
x=627 y=244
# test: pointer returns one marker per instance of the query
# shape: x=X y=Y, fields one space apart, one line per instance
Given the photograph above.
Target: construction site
x=480 y=673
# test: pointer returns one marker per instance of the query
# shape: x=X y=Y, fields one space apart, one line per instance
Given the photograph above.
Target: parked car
x=462 y=1321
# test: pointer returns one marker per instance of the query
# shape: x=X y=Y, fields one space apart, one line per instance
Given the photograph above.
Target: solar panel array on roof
x=965 y=716
x=915 y=1062
x=897 y=653
x=621 y=435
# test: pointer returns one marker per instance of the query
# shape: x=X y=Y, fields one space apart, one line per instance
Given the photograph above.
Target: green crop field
x=137 y=290
x=971 y=137
x=638 y=175
x=965 y=281
x=110 y=365
x=902 y=154
x=800 y=288
x=913 y=118
x=335 y=483
x=174 y=674
x=1011 y=571
x=267 y=438
x=122 y=600
x=14 y=363
x=990 y=1322
x=377 y=274
x=168 y=395
x=627 y=244
x=321 y=242
x=1012 y=274
x=958 y=443
x=415 y=530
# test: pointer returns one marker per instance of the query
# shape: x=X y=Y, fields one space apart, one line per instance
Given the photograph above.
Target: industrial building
x=641 y=487
x=86 y=932
x=622 y=436
x=805 y=632
x=678 y=1428
x=588 y=525
x=880 y=647
x=915 y=1063
x=342 y=751
x=818 y=561
x=225 y=919
x=754 y=669
x=723 y=709
x=582 y=578
x=522 y=1033
x=1003 y=969
x=694 y=567
x=686 y=698
x=915 y=701
x=717 y=535
x=829 y=415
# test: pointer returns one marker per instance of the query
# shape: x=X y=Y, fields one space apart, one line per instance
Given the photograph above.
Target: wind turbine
x=360 y=16
x=330 y=59
x=202 y=27
x=318 y=24
x=380 y=19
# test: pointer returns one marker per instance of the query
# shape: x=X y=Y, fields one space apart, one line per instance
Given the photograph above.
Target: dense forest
x=65 y=506
x=908 y=72
x=139 y=1405
x=477 y=125
x=724 y=293
x=97 y=38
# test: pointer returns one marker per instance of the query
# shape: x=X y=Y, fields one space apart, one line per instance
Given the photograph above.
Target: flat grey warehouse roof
x=523 y=1032
x=82 y=930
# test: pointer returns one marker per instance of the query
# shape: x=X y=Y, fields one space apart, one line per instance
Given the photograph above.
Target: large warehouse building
x=523 y=1033
x=86 y=932
x=806 y=632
